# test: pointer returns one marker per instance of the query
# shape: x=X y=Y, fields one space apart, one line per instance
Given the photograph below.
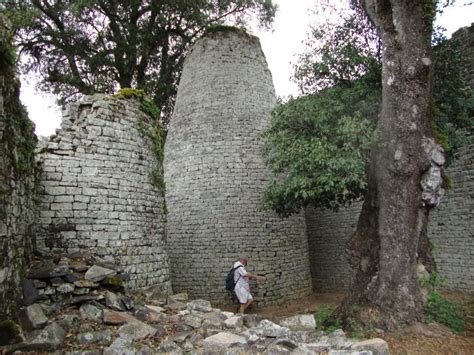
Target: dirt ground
x=420 y=339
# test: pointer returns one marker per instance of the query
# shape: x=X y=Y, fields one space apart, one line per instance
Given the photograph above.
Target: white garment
x=242 y=287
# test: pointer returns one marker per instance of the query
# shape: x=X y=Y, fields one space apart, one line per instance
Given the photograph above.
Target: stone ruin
x=215 y=176
x=96 y=194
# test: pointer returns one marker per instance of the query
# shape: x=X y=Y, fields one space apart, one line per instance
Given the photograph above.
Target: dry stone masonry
x=215 y=177
x=17 y=186
x=97 y=193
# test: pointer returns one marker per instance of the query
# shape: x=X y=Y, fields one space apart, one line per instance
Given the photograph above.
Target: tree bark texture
x=384 y=249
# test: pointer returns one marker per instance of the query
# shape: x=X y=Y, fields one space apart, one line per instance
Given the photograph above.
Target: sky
x=280 y=47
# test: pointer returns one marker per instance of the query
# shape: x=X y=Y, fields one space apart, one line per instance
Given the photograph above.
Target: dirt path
x=420 y=340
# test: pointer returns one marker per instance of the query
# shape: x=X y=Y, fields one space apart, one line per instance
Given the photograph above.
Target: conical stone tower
x=215 y=177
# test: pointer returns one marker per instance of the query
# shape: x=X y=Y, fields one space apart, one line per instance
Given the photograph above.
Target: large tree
x=88 y=46
x=384 y=248
x=318 y=147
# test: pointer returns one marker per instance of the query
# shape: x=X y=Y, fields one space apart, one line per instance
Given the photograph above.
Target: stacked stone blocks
x=215 y=176
x=96 y=191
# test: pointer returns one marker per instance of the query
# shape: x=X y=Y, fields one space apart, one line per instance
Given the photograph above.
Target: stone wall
x=17 y=212
x=215 y=176
x=328 y=232
x=96 y=191
x=451 y=227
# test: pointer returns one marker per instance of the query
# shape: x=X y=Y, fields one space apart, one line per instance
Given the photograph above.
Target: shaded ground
x=421 y=340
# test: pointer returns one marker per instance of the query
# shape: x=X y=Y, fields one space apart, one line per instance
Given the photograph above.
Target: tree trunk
x=384 y=249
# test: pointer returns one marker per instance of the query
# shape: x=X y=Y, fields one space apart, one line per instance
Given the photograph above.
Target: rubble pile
x=76 y=304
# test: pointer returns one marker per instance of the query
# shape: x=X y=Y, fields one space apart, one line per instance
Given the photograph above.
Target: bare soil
x=420 y=339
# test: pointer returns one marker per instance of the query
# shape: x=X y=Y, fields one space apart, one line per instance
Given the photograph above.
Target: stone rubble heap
x=76 y=304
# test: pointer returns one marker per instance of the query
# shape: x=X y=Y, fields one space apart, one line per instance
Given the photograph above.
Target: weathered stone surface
x=114 y=318
x=299 y=322
x=69 y=321
x=156 y=309
x=136 y=330
x=34 y=317
x=65 y=288
x=169 y=347
x=120 y=346
x=199 y=305
x=51 y=337
x=222 y=342
x=252 y=320
x=377 y=346
x=234 y=322
x=94 y=337
x=89 y=311
x=98 y=273
x=194 y=320
x=269 y=329
x=30 y=292
x=113 y=301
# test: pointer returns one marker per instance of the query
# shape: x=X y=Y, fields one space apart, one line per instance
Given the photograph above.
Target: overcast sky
x=280 y=47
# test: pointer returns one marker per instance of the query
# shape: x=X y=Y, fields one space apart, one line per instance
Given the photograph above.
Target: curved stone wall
x=215 y=176
x=96 y=192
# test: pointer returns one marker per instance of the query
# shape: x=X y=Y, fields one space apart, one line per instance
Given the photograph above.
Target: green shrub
x=449 y=313
x=324 y=322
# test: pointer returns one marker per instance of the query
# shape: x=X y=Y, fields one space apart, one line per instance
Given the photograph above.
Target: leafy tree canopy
x=318 y=145
x=86 y=46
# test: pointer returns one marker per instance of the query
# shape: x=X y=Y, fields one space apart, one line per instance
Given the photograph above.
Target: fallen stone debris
x=78 y=305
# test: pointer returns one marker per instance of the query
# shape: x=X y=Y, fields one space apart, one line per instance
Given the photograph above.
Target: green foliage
x=224 y=28
x=87 y=46
x=318 y=147
x=449 y=313
x=433 y=282
x=155 y=132
x=324 y=321
x=453 y=98
x=338 y=52
x=18 y=137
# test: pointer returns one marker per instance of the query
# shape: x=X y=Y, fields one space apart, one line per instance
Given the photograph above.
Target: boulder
x=299 y=322
x=377 y=346
x=49 y=339
x=113 y=301
x=193 y=320
x=223 y=342
x=30 y=292
x=98 y=273
x=135 y=330
x=234 y=322
x=269 y=329
x=33 y=317
x=199 y=305
x=89 y=311
x=114 y=318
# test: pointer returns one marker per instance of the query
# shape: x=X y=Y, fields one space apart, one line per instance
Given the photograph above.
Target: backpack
x=229 y=280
